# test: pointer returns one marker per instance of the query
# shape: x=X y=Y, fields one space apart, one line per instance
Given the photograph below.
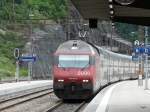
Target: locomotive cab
x=73 y=75
x=74 y=70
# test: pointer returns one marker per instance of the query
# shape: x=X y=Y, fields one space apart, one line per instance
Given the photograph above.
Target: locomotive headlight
x=60 y=80
x=85 y=80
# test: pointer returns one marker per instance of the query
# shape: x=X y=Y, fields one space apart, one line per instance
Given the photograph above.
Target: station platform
x=124 y=96
x=8 y=90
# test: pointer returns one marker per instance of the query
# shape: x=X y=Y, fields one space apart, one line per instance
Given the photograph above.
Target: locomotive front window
x=73 y=61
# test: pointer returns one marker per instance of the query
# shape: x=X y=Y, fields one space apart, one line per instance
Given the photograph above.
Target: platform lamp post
x=146 y=60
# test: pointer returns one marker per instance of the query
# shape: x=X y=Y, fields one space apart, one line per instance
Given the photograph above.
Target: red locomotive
x=80 y=69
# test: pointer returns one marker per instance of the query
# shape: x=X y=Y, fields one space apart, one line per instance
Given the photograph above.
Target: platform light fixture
x=111 y=12
x=111 y=17
x=111 y=6
x=113 y=24
x=111 y=9
x=125 y=2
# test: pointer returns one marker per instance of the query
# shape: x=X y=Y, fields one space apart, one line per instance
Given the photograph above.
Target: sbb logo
x=83 y=73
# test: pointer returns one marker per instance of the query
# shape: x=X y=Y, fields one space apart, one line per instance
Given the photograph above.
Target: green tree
x=127 y=31
x=42 y=9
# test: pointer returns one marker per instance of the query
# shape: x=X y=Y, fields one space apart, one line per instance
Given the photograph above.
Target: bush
x=8 y=42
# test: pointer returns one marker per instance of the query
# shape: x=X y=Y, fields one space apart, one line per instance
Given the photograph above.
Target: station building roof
x=137 y=12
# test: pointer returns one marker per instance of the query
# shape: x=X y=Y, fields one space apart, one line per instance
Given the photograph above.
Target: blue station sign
x=135 y=58
x=142 y=50
x=27 y=58
x=139 y=50
x=147 y=50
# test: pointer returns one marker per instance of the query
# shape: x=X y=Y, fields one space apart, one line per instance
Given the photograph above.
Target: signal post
x=16 y=55
x=141 y=54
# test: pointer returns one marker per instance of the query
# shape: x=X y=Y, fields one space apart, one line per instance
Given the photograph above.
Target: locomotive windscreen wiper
x=61 y=66
x=85 y=66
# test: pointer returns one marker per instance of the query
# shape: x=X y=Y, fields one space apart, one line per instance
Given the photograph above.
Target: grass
x=8 y=42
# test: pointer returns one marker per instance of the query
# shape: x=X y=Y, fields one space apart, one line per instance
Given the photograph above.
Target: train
x=80 y=69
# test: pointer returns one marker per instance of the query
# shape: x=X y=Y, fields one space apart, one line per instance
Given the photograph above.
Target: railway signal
x=136 y=43
x=24 y=58
x=16 y=55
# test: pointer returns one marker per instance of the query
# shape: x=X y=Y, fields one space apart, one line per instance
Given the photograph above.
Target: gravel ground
x=9 y=96
x=36 y=105
x=43 y=103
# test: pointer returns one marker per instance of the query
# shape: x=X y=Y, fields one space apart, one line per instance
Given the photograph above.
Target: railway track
x=80 y=107
x=59 y=103
x=61 y=106
x=11 y=81
x=6 y=104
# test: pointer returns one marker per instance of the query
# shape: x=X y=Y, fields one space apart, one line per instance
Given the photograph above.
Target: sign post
x=16 y=55
x=142 y=52
x=30 y=59
x=146 y=73
x=138 y=56
x=140 y=80
x=29 y=70
x=146 y=61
